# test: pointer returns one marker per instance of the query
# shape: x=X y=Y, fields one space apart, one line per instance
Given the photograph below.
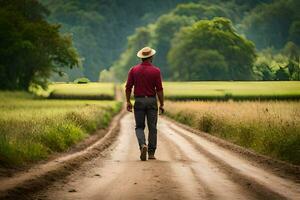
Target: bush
x=14 y=152
x=59 y=137
x=82 y=80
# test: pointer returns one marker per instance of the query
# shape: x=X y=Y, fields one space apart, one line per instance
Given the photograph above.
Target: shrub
x=60 y=136
x=82 y=80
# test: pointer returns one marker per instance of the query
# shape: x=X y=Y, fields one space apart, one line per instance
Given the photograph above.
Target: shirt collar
x=146 y=63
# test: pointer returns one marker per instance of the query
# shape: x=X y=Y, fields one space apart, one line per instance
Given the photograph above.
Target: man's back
x=145 y=78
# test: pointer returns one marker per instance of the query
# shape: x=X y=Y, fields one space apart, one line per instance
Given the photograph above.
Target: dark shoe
x=151 y=156
x=144 y=150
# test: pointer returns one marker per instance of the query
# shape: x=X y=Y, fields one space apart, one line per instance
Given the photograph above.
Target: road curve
x=188 y=166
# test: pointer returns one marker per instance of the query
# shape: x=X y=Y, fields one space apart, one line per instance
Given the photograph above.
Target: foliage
x=278 y=65
x=100 y=27
x=221 y=90
x=270 y=128
x=292 y=51
x=41 y=127
x=128 y=57
x=30 y=48
x=82 y=80
x=162 y=32
x=252 y=18
x=273 y=24
x=211 y=49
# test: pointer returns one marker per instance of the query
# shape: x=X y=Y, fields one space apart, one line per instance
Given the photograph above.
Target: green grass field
x=232 y=90
x=92 y=91
x=31 y=129
x=269 y=127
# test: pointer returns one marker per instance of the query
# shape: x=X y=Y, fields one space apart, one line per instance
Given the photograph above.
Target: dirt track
x=188 y=167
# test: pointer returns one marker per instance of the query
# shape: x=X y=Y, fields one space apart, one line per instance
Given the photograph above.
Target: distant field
x=30 y=129
x=271 y=127
x=232 y=90
x=92 y=91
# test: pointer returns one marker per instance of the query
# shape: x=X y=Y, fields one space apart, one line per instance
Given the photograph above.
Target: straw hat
x=145 y=52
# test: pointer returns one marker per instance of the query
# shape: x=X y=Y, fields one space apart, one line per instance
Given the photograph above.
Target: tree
x=167 y=25
x=31 y=49
x=141 y=38
x=100 y=28
x=282 y=74
x=165 y=28
x=263 y=71
x=234 y=54
x=273 y=24
x=292 y=51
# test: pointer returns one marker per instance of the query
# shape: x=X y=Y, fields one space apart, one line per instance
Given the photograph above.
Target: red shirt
x=145 y=78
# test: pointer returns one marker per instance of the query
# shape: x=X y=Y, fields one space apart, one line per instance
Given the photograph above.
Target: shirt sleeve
x=158 y=82
x=129 y=83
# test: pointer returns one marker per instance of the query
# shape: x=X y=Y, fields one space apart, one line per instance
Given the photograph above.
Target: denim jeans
x=146 y=108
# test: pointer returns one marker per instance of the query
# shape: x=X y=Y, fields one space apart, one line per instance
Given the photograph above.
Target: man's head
x=147 y=59
x=146 y=54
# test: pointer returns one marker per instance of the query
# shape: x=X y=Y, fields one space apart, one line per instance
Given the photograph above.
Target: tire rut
x=277 y=189
x=218 y=183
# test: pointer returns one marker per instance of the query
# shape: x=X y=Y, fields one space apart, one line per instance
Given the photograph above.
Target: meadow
x=224 y=90
x=269 y=127
x=32 y=128
x=91 y=91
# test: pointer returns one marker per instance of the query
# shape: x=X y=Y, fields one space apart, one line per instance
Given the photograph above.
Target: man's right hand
x=129 y=107
x=161 y=109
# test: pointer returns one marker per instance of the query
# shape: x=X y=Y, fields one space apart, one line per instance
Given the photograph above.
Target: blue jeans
x=146 y=108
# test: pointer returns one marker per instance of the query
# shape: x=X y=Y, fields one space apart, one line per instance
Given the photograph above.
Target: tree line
x=211 y=41
x=195 y=40
x=100 y=27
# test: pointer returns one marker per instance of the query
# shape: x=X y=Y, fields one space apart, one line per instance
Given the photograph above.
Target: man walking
x=146 y=79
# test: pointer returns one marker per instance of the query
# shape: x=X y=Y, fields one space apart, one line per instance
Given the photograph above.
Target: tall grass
x=31 y=129
x=270 y=128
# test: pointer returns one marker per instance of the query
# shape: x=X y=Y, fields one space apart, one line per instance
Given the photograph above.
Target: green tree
x=233 y=53
x=30 y=48
x=292 y=51
x=100 y=28
x=165 y=28
x=281 y=74
x=142 y=37
x=273 y=24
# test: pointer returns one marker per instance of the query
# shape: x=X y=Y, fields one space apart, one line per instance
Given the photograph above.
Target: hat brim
x=140 y=54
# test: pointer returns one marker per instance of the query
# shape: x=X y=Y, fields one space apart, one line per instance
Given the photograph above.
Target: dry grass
x=271 y=128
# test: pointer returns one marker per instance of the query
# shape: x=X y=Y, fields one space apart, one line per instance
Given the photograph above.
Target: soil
x=188 y=166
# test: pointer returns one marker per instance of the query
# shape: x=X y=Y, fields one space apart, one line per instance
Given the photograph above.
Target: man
x=146 y=79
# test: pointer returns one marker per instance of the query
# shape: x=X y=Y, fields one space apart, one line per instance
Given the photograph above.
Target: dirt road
x=188 y=167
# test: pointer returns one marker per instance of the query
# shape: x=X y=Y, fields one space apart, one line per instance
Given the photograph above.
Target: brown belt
x=152 y=96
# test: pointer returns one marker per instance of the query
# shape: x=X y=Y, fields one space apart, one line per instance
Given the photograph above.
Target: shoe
x=144 y=150
x=151 y=156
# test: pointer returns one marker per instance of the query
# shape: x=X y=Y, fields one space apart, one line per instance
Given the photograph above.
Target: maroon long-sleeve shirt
x=146 y=79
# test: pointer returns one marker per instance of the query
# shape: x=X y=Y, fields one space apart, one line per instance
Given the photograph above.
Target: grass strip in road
x=31 y=129
x=269 y=128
